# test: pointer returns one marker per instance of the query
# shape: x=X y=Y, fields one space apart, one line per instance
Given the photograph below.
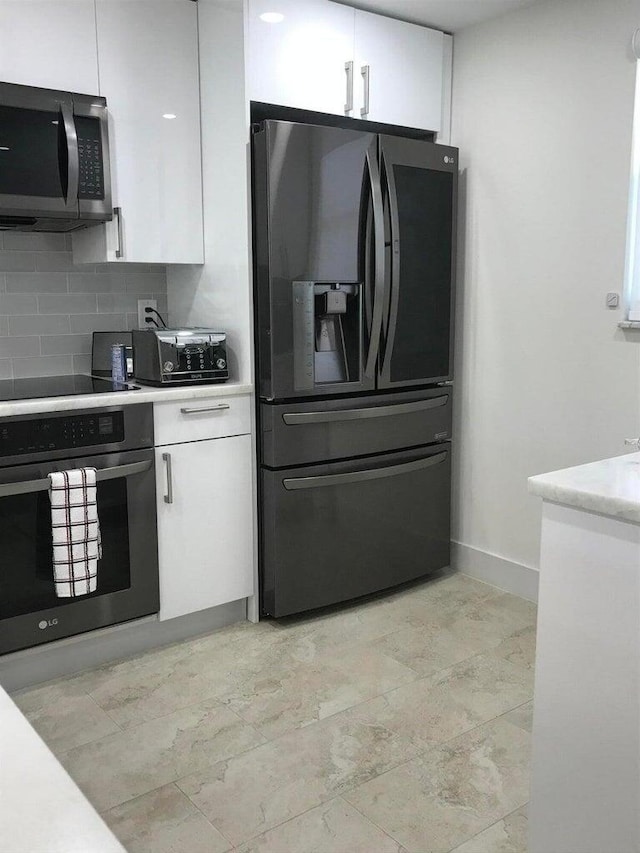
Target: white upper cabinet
x=49 y=43
x=398 y=73
x=299 y=61
x=148 y=63
x=324 y=56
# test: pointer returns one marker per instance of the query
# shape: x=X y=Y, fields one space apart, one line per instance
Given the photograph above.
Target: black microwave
x=54 y=160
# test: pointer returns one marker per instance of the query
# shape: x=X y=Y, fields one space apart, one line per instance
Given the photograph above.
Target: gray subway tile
x=132 y=321
x=39 y=324
x=65 y=344
x=4 y=325
x=18 y=303
x=54 y=261
x=83 y=323
x=6 y=368
x=67 y=303
x=42 y=366
x=82 y=364
x=3 y=282
x=37 y=282
x=147 y=283
x=17 y=261
x=89 y=282
x=118 y=303
x=14 y=347
x=34 y=242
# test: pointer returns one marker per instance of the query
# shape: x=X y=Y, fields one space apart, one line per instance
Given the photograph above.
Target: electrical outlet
x=146 y=303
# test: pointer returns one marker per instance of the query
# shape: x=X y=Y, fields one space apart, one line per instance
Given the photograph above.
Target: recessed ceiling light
x=272 y=17
x=168 y=115
x=4 y=148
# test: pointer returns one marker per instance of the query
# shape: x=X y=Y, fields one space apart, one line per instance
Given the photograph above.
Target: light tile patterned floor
x=400 y=725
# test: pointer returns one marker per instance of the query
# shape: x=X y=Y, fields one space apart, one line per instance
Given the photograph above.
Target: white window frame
x=632 y=266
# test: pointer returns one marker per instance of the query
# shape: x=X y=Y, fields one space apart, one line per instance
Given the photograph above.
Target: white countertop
x=42 y=810
x=610 y=487
x=146 y=394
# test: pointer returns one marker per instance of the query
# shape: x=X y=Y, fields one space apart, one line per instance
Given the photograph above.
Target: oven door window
x=26 y=573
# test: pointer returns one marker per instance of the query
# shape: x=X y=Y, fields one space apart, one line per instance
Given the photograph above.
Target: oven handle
x=28 y=486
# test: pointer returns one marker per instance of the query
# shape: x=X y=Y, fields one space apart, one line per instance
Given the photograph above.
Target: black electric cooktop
x=59 y=386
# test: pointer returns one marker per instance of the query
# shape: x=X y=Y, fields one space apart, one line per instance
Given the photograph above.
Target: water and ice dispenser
x=327 y=330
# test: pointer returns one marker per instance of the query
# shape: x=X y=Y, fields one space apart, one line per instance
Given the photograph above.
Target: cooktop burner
x=59 y=386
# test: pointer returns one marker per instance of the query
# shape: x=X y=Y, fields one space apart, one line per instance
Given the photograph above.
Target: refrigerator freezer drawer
x=335 y=532
x=301 y=433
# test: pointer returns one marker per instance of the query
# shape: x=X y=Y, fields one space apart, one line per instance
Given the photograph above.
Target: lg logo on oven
x=47 y=623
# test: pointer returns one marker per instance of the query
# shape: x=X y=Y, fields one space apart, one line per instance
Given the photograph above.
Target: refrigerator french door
x=354 y=248
x=354 y=238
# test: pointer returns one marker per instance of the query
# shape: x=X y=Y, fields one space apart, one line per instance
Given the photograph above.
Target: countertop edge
x=602 y=501
x=146 y=394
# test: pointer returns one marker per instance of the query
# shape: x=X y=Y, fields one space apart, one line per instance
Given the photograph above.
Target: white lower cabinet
x=205 y=523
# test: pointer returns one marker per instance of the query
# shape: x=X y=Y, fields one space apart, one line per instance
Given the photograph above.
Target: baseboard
x=498 y=571
x=75 y=654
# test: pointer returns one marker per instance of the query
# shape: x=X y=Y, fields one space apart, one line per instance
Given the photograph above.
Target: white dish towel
x=76 y=531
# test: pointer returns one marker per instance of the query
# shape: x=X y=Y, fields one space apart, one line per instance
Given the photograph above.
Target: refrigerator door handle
x=293 y=483
x=394 y=277
x=293 y=418
x=378 y=272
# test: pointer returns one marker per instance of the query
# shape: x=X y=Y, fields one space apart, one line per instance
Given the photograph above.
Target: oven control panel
x=63 y=432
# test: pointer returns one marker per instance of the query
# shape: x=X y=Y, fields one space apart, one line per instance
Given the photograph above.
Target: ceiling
x=447 y=15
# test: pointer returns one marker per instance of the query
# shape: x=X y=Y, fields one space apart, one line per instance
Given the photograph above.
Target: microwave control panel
x=91 y=177
x=60 y=433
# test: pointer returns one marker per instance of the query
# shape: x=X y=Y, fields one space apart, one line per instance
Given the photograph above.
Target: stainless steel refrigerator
x=354 y=251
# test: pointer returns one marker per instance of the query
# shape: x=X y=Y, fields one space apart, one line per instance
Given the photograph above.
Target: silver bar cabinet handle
x=218 y=408
x=366 y=73
x=348 y=106
x=294 y=483
x=27 y=487
x=168 y=498
x=117 y=212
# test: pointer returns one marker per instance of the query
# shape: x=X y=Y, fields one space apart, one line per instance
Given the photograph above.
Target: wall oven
x=118 y=442
x=54 y=159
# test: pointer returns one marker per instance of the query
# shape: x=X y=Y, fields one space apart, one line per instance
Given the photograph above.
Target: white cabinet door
x=205 y=535
x=49 y=43
x=148 y=61
x=300 y=60
x=404 y=64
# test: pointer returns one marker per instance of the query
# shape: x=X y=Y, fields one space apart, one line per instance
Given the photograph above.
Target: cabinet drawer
x=194 y=420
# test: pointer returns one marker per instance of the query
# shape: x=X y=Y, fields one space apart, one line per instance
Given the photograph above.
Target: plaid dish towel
x=76 y=531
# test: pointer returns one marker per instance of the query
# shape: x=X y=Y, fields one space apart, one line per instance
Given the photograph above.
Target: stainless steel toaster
x=179 y=356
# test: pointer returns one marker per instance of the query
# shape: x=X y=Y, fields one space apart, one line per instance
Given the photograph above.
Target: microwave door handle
x=73 y=160
x=27 y=487
x=378 y=248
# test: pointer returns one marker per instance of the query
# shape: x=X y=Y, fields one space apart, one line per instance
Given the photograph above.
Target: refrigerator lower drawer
x=338 y=531
x=302 y=433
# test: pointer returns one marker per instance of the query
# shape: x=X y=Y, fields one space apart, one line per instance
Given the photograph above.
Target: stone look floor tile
x=453 y=792
x=64 y=716
x=164 y=821
x=522 y=716
x=442 y=706
x=304 y=693
x=119 y=767
x=165 y=680
x=334 y=827
x=506 y=836
x=252 y=793
x=519 y=648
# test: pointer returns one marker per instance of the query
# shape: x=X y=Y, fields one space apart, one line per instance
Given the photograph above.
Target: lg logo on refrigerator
x=448 y=159
x=47 y=623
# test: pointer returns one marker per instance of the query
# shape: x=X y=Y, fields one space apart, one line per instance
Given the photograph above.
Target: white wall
x=542 y=113
x=219 y=293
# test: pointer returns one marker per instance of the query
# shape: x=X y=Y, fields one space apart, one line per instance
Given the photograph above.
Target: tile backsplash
x=49 y=307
